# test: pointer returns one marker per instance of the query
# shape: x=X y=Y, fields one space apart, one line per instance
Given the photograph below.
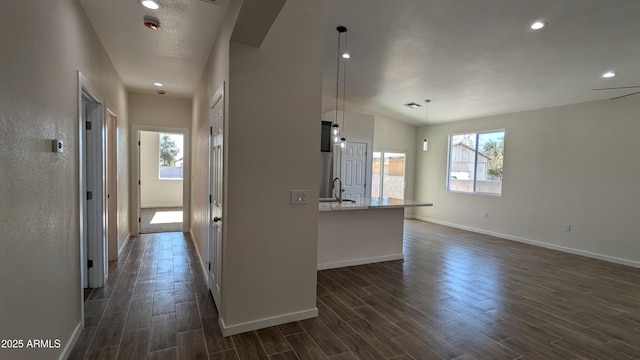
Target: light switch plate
x=299 y=197
x=57 y=146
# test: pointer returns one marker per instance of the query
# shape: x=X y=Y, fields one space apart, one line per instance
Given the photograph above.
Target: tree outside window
x=476 y=162
x=171 y=155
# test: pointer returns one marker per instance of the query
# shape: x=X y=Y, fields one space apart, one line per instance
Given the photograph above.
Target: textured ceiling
x=175 y=55
x=472 y=58
x=479 y=58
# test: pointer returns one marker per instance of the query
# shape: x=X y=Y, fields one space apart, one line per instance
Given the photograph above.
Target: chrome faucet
x=339 y=193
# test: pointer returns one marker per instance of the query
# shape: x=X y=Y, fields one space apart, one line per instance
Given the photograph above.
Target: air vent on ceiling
x=216 y=2
x=412 y=105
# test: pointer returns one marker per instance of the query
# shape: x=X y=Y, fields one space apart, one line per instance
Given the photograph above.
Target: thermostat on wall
x=57 y=146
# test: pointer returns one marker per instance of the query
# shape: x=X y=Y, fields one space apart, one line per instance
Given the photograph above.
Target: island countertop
x=370 y=203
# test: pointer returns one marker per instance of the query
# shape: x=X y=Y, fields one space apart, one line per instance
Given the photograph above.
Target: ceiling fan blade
x=619 y=87
x=620 y=97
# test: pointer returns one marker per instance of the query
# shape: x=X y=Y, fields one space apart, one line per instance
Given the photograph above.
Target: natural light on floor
x=167 y=217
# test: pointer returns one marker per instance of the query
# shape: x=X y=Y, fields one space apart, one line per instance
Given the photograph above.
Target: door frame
x=91 y=178
x=135 y=174
x=217 y=97
x=382 y=152
x=111 y=177
x=338 y=158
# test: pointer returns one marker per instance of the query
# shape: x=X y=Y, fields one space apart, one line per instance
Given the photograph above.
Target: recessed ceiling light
x=412 y=105
x=609 y=74
x=151 y=4
x=157 y=84
x=538 y=25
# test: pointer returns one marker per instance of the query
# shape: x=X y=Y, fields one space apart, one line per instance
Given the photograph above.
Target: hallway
x=155 y=302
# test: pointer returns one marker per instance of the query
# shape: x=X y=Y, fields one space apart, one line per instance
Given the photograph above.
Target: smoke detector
x=151 y=22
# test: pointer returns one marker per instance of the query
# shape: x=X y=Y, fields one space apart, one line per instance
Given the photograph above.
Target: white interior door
x=216 y=166
x=354 y=166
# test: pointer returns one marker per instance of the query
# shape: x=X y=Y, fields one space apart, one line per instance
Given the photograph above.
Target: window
x=475 y=162
x=388 y=175
x=171 y=156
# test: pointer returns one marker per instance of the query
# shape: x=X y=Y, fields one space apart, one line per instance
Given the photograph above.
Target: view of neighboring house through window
x=388 y=175
x=171 y=154
x=475 y=162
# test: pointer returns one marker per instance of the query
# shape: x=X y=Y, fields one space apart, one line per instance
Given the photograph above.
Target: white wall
x=44 y=44
x=160 y=113
x=269 y=269
x=159 y=110
x=395 y=136
x=382 y=134
x=155 y=192
x=215 y=75
x=573 y=164
x=356 y=127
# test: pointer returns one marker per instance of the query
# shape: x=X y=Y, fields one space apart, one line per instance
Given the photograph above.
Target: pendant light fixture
x=425 y=144
x=345 y=57
x=338 y=139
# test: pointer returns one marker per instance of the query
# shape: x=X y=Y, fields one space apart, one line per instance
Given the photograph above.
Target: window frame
x=475 y=164
x=160 y=178
x=381 y=184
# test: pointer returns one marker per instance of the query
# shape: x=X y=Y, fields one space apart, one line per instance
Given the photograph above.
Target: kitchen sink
x=334 y=200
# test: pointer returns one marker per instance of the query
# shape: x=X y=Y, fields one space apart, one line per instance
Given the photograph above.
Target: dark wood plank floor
x=457 y=295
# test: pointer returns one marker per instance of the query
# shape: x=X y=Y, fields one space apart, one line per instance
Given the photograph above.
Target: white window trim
x=448 y=177
x=183 y=141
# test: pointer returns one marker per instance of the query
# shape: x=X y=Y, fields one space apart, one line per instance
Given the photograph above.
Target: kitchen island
x=366 y=231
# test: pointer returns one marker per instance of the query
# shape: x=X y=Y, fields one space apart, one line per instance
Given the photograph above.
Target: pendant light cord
x=344 y=81
x=427 y=108
x=337 y=79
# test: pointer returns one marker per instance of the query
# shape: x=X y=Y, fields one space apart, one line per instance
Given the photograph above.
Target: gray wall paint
x=574 y=164
x=215 y=75
x=269 y=268
x=159 y=110
x=43 y=46
x=394 y=136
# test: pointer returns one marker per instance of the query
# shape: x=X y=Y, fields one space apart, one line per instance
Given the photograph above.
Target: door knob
x=216 y=219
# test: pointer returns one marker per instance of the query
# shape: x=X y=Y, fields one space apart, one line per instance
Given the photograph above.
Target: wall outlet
x=299 y=197
x=567 y=227
x=485 y=214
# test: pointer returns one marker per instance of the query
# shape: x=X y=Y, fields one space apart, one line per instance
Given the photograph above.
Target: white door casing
x=136 y=182
x=92 y=162
x=216 y=198
x=354 y=170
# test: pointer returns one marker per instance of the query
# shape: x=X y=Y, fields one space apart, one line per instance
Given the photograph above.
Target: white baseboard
x=204 y=268
x=267 y=322
x=363 y=261
x=68 y=347
x=157 y=206
x=588 y=254
x=124 y=243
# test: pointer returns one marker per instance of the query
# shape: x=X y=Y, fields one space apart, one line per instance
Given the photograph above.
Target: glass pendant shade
x=343 y=144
